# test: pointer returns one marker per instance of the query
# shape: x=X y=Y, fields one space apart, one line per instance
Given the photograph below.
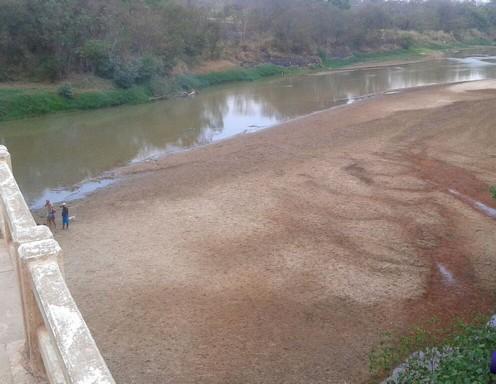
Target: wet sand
x=283 y=256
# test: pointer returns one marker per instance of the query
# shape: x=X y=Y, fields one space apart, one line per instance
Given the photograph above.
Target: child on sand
x=65 y=216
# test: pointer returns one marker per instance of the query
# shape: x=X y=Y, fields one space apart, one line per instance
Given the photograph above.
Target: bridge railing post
x=14 y=236
x=33 y=318
x=59 y=344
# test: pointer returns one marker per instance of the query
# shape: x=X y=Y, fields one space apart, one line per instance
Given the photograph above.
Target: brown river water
x=65 y=156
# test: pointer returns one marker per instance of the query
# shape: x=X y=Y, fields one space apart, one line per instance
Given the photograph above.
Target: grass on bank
x=465 y=350
x=362 y=58
x=231 y=75
x=22 y=103
x=18 y=103
x=411 y=53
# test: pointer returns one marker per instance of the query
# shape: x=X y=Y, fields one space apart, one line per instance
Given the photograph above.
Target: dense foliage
x=132 y=41
x=464 y=360
x=129 y=41
x=459 y=353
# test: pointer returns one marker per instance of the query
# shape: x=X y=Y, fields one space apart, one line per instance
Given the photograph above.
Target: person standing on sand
x=65 y=216
x=50 y=214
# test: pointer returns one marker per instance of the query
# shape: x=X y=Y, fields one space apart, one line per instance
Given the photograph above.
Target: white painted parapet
x=59 y=344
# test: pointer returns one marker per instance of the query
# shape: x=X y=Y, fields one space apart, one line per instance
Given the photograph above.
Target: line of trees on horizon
x=130 y=41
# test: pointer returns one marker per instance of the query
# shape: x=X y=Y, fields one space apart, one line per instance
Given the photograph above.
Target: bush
x=97 y=56
x=492 y=190
x=94 y=50
x=139 y=71
x=467 y=356
x=148 y=67
x=406 y=42
x=322 y=55
x=65 y=90
x=49 y=68
x=444 y=354
x=161 y=86
x=125 y=76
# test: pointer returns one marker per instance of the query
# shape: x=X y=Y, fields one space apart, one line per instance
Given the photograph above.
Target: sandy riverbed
x=282 y=256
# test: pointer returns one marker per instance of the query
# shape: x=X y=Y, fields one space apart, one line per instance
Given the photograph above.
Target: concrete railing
x=59 y=345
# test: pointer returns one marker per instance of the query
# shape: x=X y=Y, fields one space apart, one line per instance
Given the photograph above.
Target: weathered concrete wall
x=59 y=344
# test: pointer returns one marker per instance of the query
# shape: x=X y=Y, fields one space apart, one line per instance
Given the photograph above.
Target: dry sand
x=282 y=256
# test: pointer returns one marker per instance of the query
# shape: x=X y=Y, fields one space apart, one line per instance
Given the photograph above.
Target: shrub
x=65 y=90
x=125 y=76
x=322 y=55
x=467 y=356
x=406 y=42
x=148 y=67
x=96 y=54
x=94 y=51
x=49 y=68
x=161 y=86
x=439 y=354
x=138 y=71
x=492 y=190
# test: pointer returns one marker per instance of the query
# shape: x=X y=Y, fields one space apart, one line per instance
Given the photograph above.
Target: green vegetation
x=148 y=48
x=415 y=52
x=238 y=74
x=132 y=41
x=21 y=103
x=359 y=58
x=412 y=53
x=462 y=351
x=391 y=351
x=467 y=356
x=125 y=41
x=492 y=190
x=18 y=103
x=66 y=91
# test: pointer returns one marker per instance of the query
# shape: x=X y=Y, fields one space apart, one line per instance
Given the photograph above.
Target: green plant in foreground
x=492 y=190
x=464 y=360
x=463 y=354
x=390 y=351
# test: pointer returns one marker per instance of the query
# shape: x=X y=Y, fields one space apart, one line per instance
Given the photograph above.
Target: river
x=64 y=156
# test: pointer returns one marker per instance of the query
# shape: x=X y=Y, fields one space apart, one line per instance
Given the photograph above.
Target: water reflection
x=51 y=154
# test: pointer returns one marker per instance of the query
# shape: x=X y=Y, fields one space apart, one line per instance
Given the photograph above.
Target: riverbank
x=23 y=100
x=29 y=100
x=284 y=255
